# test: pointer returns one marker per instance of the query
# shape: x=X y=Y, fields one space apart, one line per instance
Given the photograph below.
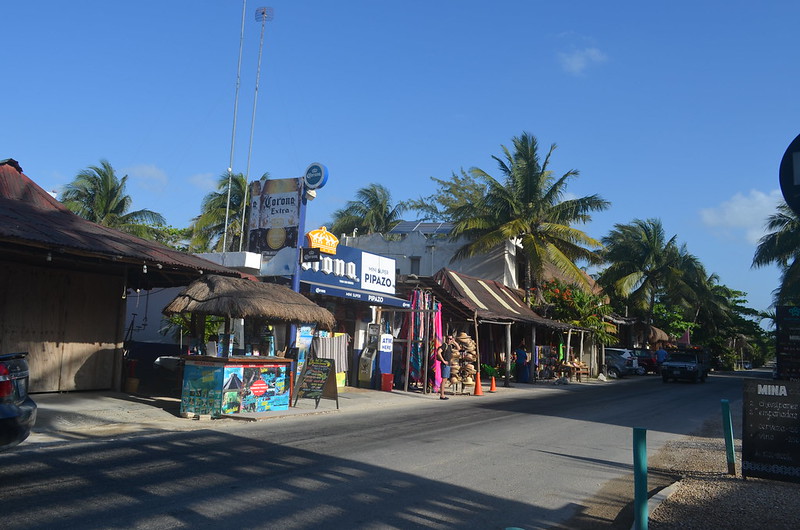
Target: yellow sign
x=323 y=240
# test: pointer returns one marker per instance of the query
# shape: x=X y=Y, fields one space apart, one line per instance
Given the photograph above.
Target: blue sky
x=674 y=110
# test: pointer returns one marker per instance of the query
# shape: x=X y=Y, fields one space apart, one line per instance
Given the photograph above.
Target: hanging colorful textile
x=414 y=337
x=436 y=343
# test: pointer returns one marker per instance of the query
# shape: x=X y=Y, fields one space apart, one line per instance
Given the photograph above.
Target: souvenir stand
x=218 y=383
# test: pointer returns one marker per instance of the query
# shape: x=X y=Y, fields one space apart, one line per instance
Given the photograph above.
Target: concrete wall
x=435 y=253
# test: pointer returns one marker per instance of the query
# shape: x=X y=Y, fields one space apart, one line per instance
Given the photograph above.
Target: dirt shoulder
x=705 y=496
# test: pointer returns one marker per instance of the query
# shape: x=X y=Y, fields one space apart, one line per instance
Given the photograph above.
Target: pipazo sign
x=353 y=274
x=771 y=430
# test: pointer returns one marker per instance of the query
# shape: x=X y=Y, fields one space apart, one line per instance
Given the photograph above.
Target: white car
x=628 y=354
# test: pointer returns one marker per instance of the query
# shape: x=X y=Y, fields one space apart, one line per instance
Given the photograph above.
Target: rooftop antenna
x=233 y=134
x=263 y=15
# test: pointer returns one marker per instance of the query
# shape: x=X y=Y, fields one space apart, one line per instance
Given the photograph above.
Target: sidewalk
x=74 y=416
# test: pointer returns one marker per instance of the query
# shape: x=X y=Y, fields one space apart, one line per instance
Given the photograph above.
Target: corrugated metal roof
x=30 y=217
x=492 y=300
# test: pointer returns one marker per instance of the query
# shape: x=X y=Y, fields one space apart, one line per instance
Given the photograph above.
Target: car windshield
x=682 y=357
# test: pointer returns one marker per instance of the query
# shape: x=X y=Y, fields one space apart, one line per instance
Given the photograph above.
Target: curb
x=655 y=501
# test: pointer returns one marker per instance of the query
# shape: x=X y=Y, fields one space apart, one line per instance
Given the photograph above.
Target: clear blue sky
x=677 y=110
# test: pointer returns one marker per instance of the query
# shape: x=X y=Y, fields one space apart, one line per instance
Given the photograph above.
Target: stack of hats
x=469 y=355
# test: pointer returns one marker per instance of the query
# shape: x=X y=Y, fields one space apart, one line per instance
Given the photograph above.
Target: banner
x=274 y=215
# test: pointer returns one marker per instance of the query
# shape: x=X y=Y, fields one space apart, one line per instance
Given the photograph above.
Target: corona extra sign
x=323 y=240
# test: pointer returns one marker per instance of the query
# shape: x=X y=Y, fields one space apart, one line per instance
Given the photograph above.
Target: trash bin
x=387 y=382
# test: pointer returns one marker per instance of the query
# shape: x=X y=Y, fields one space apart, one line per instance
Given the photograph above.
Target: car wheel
x=613 y=373
x=641 y=371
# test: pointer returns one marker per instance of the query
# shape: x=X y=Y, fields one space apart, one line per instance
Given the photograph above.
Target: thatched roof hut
x=239 y=298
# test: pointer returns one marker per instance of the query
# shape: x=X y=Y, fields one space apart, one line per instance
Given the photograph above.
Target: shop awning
x=369 y=297
x=491 y=300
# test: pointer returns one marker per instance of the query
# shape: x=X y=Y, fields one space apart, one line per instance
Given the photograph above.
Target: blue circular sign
x=316 y=176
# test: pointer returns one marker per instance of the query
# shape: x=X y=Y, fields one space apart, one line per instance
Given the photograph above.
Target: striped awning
x=492 y=300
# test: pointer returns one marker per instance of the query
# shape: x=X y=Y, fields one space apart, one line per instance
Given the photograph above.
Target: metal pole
x=728 y=432
x=265 y=14
x=506 y=383
x=640 y=515
x=233 y=133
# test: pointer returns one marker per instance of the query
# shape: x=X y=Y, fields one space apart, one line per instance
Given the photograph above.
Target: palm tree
x=527 y=207
x=208 y=228
x=371 y=213
x=643 y=264
x=782 y=247
x=96 y=194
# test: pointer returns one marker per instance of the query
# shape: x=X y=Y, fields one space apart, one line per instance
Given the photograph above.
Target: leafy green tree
x=176 y=238
x=781 y=247
x=208 y=228
x=452 y=195
x=98 y=195
x=573 y=304
x=527 y=206
x=371 y=212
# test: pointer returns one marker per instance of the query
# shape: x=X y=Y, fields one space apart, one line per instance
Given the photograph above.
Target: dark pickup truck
x=687 y=365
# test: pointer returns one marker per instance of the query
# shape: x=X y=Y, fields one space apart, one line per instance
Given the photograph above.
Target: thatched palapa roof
x=239 y=298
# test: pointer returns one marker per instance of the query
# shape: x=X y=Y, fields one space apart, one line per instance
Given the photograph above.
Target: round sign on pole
x=790 y=175
x=316 y=176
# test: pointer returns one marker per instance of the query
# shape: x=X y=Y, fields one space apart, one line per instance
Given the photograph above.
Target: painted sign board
x=274 y=215
x=354 y=274
x=771 y=430
x=318 y=381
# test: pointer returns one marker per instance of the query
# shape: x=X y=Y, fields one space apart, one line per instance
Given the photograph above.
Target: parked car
x=647 y=360
x=618 y=366
x=688 y=365
x=17 y=409
x=629 y=354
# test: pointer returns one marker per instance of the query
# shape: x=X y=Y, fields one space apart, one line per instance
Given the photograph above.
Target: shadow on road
x=211 y=479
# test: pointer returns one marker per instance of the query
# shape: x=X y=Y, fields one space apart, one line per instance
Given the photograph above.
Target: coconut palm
x=98 y=195
x=526 y=206
x=208 y=228
x=371 y=213
x=643 y=264
x=782 y=247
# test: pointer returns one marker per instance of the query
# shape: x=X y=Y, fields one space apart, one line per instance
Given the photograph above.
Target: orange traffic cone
x=493 y=388
x=478 y=389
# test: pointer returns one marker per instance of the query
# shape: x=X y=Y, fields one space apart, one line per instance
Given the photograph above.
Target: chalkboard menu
x=787 y=320
x=318 y=381
x=771 y=430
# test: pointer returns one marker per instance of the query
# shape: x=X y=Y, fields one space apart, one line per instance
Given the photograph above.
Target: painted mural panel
x=201 y=392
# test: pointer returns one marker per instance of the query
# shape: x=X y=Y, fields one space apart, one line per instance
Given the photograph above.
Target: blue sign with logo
x=316 y=176
x=353 y=274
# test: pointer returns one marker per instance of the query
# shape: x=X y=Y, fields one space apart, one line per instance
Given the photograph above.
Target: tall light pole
x=233 y=133
x=263 y=14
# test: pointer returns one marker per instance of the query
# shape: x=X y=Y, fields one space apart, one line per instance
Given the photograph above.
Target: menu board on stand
x=318 y=381
x=770 y=430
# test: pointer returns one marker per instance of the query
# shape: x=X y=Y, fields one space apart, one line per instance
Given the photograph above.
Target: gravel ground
x=707 y=497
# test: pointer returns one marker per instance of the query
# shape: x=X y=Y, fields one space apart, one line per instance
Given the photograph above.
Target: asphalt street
x=528 y=457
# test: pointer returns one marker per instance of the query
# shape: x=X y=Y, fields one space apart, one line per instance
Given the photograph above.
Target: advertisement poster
x=274 y=215
x=305 y=335
x=200 y=393
x=256 y=388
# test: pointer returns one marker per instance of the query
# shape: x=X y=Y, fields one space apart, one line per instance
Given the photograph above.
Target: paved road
x=530 y=458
